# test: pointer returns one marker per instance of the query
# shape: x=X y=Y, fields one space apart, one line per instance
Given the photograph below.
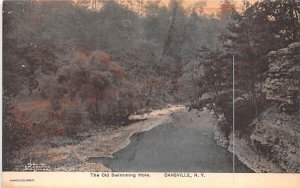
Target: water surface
x=185 y=144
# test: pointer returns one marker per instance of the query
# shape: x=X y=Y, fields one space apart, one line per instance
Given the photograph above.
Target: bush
x=16 y=132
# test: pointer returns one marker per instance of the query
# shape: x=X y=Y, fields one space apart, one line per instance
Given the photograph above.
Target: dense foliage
x=69 y=66
x=262 y=27
x=74 y=65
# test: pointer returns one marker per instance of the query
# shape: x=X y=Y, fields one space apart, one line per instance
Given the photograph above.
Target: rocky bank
x=271 y=142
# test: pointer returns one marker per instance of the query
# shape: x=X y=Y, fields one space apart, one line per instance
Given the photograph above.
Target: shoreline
x=106 y=143
x=246 y=154
x=74 y=157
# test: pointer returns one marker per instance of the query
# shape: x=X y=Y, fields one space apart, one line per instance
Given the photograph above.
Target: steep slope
x=277 y=134
x=271 y=142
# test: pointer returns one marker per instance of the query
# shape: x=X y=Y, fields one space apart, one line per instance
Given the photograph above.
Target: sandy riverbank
x=73 y=157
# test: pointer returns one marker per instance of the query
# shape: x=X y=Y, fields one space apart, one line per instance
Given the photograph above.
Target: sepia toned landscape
x=151 y=86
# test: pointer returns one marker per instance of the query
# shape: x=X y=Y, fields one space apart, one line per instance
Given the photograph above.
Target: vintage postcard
x=150 y=93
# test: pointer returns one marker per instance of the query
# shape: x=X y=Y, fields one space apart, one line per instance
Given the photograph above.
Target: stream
x=184 y=144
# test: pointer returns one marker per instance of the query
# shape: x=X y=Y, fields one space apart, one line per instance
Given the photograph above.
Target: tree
x=262 y=27
x=198 y=7
x=226 y=9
